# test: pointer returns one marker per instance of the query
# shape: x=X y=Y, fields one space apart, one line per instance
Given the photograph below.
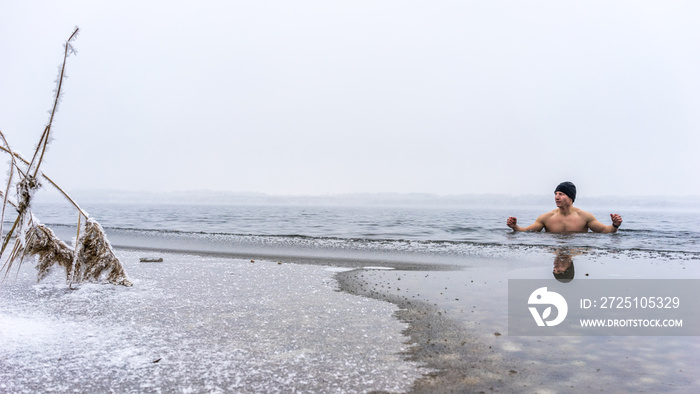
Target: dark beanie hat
x=566 y=276
x=567 y=188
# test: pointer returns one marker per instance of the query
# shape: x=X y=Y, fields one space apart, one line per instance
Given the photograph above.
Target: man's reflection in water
x=564 y=264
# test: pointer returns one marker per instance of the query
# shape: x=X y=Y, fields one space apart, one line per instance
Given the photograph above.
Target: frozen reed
x=92 y=257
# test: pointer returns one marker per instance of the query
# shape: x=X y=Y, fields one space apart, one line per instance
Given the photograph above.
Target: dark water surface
x=437 y=230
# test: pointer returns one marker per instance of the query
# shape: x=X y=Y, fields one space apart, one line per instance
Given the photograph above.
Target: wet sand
x=458 y=323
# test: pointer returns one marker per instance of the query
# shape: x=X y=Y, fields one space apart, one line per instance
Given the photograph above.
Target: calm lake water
x=432 y=230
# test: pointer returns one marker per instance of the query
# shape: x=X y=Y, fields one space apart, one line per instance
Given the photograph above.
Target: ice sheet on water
x=199 y=324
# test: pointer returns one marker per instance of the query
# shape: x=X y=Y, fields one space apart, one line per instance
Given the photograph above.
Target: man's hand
x=512 y=223
x=616 y=219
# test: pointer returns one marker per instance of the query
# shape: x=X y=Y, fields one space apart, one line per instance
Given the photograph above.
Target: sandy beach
x=198 y=323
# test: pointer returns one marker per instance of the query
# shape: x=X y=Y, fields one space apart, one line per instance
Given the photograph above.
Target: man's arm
x=599 y=227
x=537 y=226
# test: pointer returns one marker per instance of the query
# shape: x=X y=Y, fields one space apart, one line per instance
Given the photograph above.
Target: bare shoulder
x=585 y=214
x=542 y=218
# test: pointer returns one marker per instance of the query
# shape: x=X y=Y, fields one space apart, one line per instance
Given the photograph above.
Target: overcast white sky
x=316 y=97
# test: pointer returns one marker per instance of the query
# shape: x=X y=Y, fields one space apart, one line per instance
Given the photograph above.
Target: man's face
x=561 y=199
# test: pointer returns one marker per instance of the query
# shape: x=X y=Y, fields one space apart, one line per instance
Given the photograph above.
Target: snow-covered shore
x=199 y=324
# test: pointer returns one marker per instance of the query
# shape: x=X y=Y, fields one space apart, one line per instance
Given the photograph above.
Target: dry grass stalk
x=45 y=177
x=42 y=242
x=94 y=258
x=13 y=164
x=44 y=140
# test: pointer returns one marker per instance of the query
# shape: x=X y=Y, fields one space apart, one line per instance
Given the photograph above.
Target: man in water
x=567 y=218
